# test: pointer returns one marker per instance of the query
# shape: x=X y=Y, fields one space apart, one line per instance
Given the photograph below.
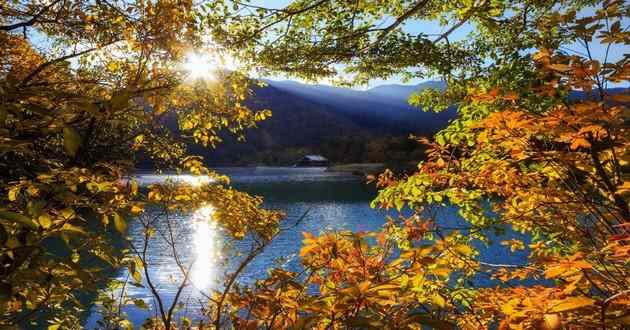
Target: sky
x=598 y=51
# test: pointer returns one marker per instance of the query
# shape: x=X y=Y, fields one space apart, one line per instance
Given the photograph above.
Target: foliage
x=85 y=89
x=540 y=147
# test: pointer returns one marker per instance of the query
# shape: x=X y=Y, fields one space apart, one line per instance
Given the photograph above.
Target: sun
x=205 y=65
x=200 y=66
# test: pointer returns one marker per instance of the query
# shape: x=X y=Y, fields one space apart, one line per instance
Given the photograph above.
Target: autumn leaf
x=559 y=67
x=137 y=209
x=464 y=249
x=119 y=223
x=621 y=97
x=569 y=304
x=438 y=300
x=580 y=143
x=13 y=193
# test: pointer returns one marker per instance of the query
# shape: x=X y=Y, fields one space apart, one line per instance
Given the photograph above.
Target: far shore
x=358 y=168
x=361 y=169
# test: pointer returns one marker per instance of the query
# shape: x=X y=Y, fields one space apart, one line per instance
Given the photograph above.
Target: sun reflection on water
x=207 y=248
x=195 y=180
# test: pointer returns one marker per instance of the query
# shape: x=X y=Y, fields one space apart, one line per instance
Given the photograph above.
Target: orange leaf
x=555 y=271
x=571 y=303
x=560 y=67
x=622 y=98
x=580 y=142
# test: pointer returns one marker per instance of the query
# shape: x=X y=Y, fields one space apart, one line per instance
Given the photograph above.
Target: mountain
x=383 y=109
x=402 y=92
x=343 y=124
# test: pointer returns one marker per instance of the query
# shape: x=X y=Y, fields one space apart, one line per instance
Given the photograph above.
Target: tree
x=540 y=147
x=89 y=88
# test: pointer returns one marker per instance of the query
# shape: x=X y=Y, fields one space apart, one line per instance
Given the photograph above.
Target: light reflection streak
x=207 y=248
x=195 y=180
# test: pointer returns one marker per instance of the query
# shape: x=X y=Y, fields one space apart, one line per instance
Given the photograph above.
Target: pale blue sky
x=598 y=51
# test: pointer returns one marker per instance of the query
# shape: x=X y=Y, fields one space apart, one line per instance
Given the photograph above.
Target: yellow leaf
x=555 y=271
x=464 y=249
x=13 y=192
x=441 y=271
x=125 y=324
x=136 y=209
x=571 y=303
x=307 y=249
x=119 y=223
x=113 y=66
x=438 y=300
x=45 y=221
x=155 y=195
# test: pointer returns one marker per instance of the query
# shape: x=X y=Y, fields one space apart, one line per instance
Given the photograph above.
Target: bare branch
x=400 y=20
x=31 y=21
x=45 y=65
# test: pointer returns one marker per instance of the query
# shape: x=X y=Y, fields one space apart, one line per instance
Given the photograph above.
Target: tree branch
x=31 y=21
x=399 y=21
x=45 y=65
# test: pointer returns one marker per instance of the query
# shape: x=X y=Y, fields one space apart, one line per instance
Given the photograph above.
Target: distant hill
x=383 y=109
x=309 y=118
x=345 y=125
x=402 y=92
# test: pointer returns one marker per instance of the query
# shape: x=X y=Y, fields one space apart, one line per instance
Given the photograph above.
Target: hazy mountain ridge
x=383 y=109
x=343 y=124
x=306 y=116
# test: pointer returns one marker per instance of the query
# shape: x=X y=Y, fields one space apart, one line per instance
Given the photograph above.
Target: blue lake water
x=331 y=201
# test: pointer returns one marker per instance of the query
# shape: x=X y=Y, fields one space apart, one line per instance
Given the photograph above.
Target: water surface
x=325 y=201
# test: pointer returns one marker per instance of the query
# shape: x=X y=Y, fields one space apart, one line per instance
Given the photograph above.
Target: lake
x=331 y=201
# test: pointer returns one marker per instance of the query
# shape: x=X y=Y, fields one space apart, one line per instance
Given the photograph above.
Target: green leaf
x=125 y=324
x=140 y=304
x=18 y=218
x=71 y=140
x=440 y=139
x=73 y=229
x=186 y=322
